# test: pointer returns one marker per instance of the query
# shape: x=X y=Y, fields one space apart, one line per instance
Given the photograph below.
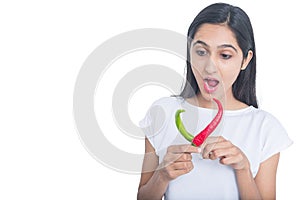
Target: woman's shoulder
x=163 y=107
x=168 y=103
x=258 y=118
x=170 y=100
x=269 y=125
x=274 y=137
x=263 y=114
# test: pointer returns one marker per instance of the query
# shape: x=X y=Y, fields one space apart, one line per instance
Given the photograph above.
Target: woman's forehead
x=215 y=35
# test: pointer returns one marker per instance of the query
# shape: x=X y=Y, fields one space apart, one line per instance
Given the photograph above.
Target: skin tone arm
x=155 y=178
x=266 y=177
x=263 y=186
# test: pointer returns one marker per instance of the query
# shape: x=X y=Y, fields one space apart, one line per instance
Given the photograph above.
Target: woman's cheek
x=198 y=76
x=229 y=77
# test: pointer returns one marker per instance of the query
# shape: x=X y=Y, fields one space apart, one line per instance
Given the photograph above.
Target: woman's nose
x=211 y=66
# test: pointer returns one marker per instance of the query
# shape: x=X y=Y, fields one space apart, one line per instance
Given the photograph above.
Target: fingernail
x=199 y=150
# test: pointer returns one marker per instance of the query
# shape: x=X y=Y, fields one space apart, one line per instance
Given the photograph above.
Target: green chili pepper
x=181 y=127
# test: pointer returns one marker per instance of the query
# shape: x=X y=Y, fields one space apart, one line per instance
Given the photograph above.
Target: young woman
x=240 y=160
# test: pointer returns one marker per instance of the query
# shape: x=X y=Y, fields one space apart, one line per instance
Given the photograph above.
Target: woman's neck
x=229 y=102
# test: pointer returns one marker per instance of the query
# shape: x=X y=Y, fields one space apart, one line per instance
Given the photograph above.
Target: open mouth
x=211 y=85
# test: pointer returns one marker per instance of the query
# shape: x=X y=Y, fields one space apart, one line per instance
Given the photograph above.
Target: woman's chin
x=209 y=96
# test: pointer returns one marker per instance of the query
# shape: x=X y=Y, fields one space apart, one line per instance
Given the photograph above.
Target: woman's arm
x=263 y=186
x=151 y=184
x=156 y=177
x=266 y=177
x=246 y=184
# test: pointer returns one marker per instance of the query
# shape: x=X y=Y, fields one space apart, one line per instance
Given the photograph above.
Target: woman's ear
x=247 y=60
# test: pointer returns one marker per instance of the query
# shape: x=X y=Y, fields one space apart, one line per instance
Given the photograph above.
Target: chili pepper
x=200 y=137
x=189 y=137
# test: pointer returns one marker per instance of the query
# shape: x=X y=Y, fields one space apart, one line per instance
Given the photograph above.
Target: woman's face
x=216 y=60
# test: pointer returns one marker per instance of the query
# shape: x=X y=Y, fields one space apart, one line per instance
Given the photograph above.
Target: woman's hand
x=229 y=154
x=177 y=161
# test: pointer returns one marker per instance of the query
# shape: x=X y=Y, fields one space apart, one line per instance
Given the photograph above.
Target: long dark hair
x=238 y=21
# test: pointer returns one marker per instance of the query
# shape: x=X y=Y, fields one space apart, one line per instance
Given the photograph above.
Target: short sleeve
x=158 y=125
x=275 y=138
x=153 y=123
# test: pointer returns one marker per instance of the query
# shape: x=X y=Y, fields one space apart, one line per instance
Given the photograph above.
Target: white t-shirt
x=257 y=133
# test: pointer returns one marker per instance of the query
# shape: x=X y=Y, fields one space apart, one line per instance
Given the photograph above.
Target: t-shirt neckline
x=226 y=112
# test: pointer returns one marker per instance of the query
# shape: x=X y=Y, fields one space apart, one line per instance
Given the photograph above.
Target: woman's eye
x=225 y=56
x=201 y=52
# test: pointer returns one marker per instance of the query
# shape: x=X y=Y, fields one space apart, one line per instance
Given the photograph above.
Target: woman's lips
x=210 y=85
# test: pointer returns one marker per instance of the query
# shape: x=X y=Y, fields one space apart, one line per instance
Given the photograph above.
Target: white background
x=42 y=48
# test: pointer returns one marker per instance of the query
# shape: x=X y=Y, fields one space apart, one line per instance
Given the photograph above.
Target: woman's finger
x=211 y=140
x=178 y=168
x=188 y=165
x=220 y=153
x=184 y=148
x=171 y=157
x=213 y=147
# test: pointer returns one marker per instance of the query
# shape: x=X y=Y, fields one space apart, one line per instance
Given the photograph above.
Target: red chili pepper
x=200 y=138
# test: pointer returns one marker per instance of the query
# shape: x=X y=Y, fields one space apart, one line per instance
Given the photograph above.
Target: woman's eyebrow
x=227 y=45
x=200 y=42
x=219 y=47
